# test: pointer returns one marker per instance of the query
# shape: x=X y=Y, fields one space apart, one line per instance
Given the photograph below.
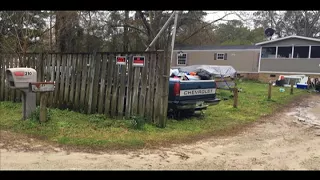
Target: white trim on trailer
x=288 y=37
x=309 y=56
x=260 y=59
x=281 y=72
x=178 y=50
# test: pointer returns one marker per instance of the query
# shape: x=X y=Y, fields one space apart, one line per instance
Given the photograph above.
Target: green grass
x=72 y=128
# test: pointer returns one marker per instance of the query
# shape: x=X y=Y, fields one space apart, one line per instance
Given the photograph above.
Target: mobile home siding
x=305 y=65
x=290 y=65
x=242 y=61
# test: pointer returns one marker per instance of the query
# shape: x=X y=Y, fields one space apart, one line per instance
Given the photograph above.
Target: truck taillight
x=176 y=89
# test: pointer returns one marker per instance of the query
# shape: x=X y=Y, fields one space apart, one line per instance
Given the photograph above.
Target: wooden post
x=291 y=90
x=235 y=97
x=43 y=107
x=269 y=90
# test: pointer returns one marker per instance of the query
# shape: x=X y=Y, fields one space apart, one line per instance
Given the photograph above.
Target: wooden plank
x=89 y=81
x=43 y=107
x=56 y=100
x=78 y=81
x=45 y=73
x=122 y=89
x=12 y=91
x=6 y=85
x=129 y=87
x=67 y=80
x=147 y=102
x=96 y=79
x=152 y=82
x=115 y=88
x=166 y=85
x=157 y=87
x=143 y=90
x=2 y=77
x=62 y=79
x=83 y=62
x=111 y=67
x=38 y=61
x=15 y=92
x=102 y=84
x=73 y=77
x=51 y=71
x=135 y=92
x=160 y=90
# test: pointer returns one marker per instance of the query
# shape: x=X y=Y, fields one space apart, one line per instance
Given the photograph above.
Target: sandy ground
x=288 y=140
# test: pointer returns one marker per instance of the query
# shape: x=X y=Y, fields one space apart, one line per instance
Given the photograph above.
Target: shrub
x=35 y=115
x=138 y=122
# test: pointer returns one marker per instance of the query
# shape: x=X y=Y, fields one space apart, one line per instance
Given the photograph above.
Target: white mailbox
x=19 y=78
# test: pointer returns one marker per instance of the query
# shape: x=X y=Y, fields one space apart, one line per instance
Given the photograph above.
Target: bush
x=35 y=115
x=138 y=122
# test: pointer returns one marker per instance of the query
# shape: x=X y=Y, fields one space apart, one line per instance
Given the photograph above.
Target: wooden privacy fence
x=94 y=83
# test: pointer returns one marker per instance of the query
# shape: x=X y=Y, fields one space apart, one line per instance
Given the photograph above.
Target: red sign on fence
x=121 y=60
x=138 y=61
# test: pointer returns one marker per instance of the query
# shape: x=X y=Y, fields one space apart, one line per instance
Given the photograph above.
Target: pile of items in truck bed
x=224 y=75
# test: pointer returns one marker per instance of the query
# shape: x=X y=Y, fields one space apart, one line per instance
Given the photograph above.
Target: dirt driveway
x=288 y=140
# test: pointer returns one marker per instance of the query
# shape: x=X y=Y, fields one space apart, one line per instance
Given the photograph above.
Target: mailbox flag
x=138 y=61
x=121 y=60
x=19 y=73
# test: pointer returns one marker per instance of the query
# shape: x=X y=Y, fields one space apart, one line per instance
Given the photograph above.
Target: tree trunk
x=50 y=32
x=125 y=32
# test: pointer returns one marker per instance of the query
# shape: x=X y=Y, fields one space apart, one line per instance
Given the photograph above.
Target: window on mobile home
x=301 y=52
x=182 y=59
x=315 y=52
x=268 y=52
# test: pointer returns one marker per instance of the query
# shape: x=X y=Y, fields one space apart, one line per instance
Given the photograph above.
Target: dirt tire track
x=278 y=142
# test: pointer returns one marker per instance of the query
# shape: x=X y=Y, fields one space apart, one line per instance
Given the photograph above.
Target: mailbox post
x=42 y=88
x=19 y=78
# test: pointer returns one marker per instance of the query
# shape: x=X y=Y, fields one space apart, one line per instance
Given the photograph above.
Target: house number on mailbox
x=27 y=73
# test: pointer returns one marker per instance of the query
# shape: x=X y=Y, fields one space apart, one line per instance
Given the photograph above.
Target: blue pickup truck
x=186 y=97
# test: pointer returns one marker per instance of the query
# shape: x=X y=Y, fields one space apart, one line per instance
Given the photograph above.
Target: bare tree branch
x=212 y=22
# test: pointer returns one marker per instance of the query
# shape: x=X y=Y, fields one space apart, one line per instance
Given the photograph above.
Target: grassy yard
x=72 y=128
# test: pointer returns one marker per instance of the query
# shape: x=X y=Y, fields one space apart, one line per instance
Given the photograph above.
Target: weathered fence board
x=51 y=71
x=73 y=77
x=2 y=77
x=122 y=90
x=67 y=80
x=78 y=81
x=102 y=84
x=129 y=88
x=57 y=80
x=6 y=89
x=96 y=77
x=83 y=82
x=94 y=83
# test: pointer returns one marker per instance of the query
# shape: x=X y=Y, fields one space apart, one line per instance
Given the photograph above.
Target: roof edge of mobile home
x=288 y=37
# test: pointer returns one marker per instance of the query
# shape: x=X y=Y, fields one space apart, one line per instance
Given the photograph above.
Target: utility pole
x=174 y=34
x=160 y=32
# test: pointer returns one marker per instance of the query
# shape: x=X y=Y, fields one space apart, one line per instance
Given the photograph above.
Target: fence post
x=269 y=90
x=235 y=97
x=43 y=107
x=291 y=89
